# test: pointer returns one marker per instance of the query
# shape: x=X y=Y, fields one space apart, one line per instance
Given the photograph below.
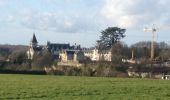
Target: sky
x=81 y=21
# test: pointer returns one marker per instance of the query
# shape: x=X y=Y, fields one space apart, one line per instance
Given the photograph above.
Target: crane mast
x=153 y=29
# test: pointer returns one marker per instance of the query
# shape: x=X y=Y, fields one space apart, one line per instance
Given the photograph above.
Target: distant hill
x=13 y=47
x=6 y=50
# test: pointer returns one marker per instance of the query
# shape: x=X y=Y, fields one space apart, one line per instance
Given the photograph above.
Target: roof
x=34 y=39
x=53 y=46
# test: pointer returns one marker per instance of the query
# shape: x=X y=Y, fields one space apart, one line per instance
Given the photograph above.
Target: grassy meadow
x=44 y=87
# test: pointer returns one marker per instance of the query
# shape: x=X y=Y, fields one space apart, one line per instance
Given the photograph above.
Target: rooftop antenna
x=152 y=29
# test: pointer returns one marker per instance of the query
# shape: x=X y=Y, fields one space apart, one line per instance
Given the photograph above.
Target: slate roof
x=56 y=47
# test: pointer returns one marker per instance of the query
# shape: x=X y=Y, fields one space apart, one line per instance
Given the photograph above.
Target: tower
x=34 y=42
x=32 y=47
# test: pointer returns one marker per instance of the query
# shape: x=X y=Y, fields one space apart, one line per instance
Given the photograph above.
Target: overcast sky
x=81 y=21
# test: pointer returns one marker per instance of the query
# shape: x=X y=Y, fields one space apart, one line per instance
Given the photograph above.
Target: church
x=33 y=48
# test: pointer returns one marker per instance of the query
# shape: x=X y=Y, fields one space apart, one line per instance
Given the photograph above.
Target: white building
x=96 y=55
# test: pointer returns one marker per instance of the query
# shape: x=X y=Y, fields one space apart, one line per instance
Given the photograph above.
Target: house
x=55 y=48
x=71 y=57
x=96 y=55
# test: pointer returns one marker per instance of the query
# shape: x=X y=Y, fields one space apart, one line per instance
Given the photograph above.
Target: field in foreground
x=43 y=87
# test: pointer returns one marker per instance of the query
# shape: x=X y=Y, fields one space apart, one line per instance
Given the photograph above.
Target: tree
x=142 y=49
x=110 y=36
x=42 y=60
x=120 y=50
x=17 y=57
x=164 y=54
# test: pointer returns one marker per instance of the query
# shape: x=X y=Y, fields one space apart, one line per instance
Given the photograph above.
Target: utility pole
x=153 y=29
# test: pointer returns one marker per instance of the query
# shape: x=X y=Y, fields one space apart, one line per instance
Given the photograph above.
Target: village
x=74 y=55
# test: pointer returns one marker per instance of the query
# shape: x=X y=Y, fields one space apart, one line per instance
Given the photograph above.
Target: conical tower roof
x=34 y=39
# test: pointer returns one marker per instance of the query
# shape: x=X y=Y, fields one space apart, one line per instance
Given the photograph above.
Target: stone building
x=71 y=57
x=57 y=50
x=66 y=53
x=96 y=55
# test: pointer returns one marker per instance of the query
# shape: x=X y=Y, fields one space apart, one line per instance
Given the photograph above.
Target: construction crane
x=152 y=29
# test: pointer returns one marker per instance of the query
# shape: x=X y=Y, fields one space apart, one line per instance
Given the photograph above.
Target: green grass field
x=41 y=87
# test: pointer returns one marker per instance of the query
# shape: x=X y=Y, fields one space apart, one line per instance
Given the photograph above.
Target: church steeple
x=34 y=39
x=32 y=48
